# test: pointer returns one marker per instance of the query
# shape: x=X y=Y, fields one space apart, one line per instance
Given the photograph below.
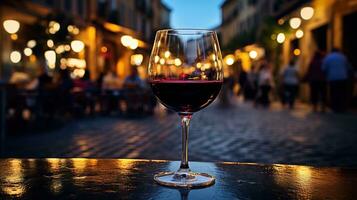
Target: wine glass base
x=189 y=180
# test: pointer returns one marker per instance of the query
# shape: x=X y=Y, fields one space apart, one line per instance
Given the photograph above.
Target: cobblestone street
x=239 y=133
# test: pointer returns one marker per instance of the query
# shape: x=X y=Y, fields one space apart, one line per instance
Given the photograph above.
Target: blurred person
x=111 y=91
x=133 y=81
x=84 y=92
x=135 y=92
x=265 y=83
x=64 y=87
x=317 y=81
x=336 y=67
x=251 y=84
x=290 y=79
x=46 y=91
x=111 y=81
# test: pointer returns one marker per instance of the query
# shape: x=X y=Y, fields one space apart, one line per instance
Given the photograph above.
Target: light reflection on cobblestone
x=240 y=133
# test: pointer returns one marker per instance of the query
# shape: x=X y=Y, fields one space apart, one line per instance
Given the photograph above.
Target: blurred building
x=328 y=24
x=98 y=25
x=243 y=17
x=300 y=27
x=332 y=25
x=241 y=25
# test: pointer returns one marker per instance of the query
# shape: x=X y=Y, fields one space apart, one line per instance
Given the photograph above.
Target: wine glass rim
x=186 y=31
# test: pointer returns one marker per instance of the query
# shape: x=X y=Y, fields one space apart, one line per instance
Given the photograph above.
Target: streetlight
x=77 y=46
x=11 y=26
x=54 y=27
x=15 y=57
x=299 y=33
x=126 y=40
x=167 y=54
x=50 y=43
x=134 y=44
x=253 y=54
x=297 y=52
x=27 y=51
x=130 y=42
x=156 y=59
x=50 y=56
x=307 y=12
x=178 y=62
x=295 y=22
x=162 y=61
x=280 y=38
x=229 y=59
x=31 y=43
x=136 y=59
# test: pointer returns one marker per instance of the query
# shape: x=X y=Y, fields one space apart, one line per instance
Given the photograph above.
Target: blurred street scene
x=73 y=80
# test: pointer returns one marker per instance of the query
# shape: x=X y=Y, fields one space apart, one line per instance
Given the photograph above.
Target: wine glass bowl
x=185 y=74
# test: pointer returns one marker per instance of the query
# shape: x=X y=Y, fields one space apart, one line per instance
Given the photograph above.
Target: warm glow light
x=14 y=36
x=79 y=72
x=60 y=49
x=15 y=57
x=67 y=47
x=280 y=38
x=50 y=43
x=162 y=61
x=28 y=51
x=229 y=59
x=129 y=41
x=306 y=13
x=15 y=179
x=77 y=46
x=134 y=44
x=199 y=65
x=156 y=59
x=253 y=54
x=295 y=22
x=74 y=62
x=103 y=49
x=70 y=28
x=136 y=59
x=50 y=56
x=213 y=57
x=167 y=54
x=299 y=33
x=11 y=26
x=53 y=27
x=178 y=62
x=75 y=31
x=31 y=43
x=297 y=52
x=281 y=21
x=126 y=40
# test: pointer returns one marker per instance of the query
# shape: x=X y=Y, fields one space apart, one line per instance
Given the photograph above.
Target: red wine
x=186 y=96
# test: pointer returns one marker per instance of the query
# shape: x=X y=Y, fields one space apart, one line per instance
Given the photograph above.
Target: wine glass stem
x=185 y=124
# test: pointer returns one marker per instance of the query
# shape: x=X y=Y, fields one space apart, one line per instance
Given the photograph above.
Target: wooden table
x=133 y=179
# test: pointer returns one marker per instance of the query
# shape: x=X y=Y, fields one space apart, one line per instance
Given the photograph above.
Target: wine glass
x=185 y=74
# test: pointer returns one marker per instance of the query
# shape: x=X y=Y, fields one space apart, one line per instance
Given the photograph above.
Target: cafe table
x=81 y=178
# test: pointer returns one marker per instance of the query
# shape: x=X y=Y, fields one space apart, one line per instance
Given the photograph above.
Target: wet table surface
x=81 y=178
